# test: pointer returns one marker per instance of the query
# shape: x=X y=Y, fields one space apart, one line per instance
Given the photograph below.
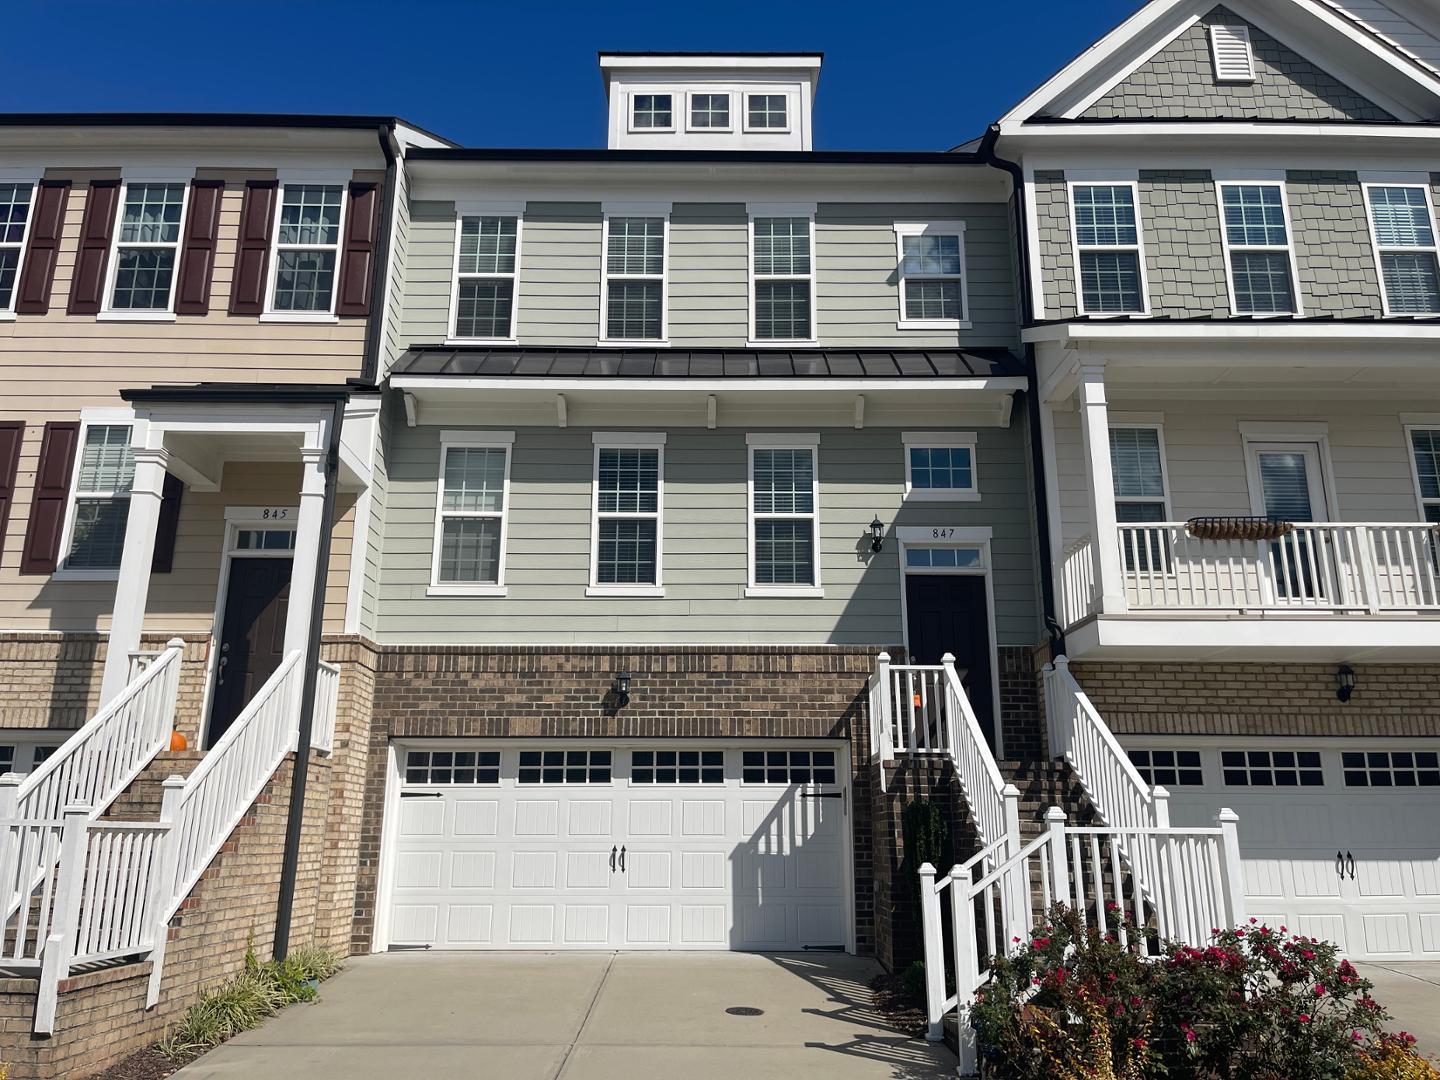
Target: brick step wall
x=141 y=800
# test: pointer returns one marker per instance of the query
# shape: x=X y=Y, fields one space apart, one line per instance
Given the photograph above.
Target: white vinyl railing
x=1078 y=595
x=1328 y=566
x=327 y=701
x=1198 y=888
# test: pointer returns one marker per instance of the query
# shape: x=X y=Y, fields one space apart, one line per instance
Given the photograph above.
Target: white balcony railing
x=1077 y=582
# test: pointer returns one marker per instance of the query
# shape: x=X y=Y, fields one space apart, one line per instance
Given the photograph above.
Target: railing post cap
x=75 y=809
x=1010 y=791
x=883 y=658
x=11 y=779
x=175 y=643
x=927 y=868
x=1159 y=791
x=173 y=781
x=1061 y=661
x=1226 y=816
x=948 y=658
x=1055 y=814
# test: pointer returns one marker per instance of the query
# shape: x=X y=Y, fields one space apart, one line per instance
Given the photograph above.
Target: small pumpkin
x=178 y=742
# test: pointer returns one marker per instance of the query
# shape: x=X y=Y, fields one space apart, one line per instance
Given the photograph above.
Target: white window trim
x=782 y=441
x=630 y=111
x=26 y=743
x=273 y=262
x=690 y=126
x=1420 y=500
x=748 y=128
x=1432 y=249
x=476 y=440
x=938 y=228
x=1138 y=247
x=461 y=213
x=663 y=277
x=781 y=210
x=23 y=245
x=1243 y=32
x=1259 y=435
x=1157 y=426
x=90 y=418
x=1288 y=248
x=944 y=440
x=627 y=440
x=107 y=312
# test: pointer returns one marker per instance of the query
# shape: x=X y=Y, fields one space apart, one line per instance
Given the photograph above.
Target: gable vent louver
x=1234 y=59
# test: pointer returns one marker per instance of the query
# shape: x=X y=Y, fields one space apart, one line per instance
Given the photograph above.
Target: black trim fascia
x=705 y=52
x=198 y=119
x=242 y=394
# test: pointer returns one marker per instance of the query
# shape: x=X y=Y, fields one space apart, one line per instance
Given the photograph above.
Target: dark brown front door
x=948 y=613
x=252 y=641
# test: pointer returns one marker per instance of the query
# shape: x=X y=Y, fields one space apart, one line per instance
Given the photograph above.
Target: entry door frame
x=236 y=519
x=394 y=781
x=956 y=536
x=1292 y=437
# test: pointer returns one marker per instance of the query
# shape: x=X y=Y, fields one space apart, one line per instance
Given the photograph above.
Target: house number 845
x=276 y=514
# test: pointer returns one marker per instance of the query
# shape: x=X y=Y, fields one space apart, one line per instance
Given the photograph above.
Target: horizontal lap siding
x=560 y=274
x=709 y=275
x=705 y=546
x=55 y=365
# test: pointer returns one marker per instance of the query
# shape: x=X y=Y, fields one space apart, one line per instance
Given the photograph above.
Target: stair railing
x=1198 y=887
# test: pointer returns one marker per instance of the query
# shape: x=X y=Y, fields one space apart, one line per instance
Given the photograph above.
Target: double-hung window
x=784 y=276
x=14 y=226
x=932 y=276
x=469 y=555
x=940 y=466
x=1256 y=230
x=1402 y=224
x=100 y=506
x=307 y=249
x=486 y=260
x=709 y=112
x=634 y=279
x=652 y=112
x=626 y=552
x=766 y=112
x=1108 y=249
x=1425 y=454
x=784 y=522
x=147 y=247
x=1137 y=465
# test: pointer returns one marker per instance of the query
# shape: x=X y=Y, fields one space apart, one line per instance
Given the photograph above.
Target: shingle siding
x=1180 y=81
x=1052 y=227
x=1183 y=254
x=1334 y=257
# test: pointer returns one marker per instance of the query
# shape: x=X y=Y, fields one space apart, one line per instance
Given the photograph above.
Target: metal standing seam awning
x=714 y=387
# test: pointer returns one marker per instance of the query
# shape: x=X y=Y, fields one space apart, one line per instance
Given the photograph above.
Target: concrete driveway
x=584 y=1016
x=1411 y=991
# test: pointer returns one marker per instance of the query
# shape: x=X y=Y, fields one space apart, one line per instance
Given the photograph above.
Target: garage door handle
x=1350 y=864
x=613 y=849
x=622 y=859
x=1340 y=866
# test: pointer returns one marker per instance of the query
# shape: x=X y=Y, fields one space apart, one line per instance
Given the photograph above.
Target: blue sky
x=898 y=75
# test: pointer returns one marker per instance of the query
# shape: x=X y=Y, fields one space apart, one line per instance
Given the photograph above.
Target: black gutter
x=241 y=394
x=1032 y=395
x=732 y=157
x=370 y=358
x=705 y=52
x=300 y=770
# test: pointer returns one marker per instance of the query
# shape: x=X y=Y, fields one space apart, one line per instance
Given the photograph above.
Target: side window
x=487 y=256
x=307 y=248
x=784 y=524
x=1256 y=232
x=626 y=530
x=1402 y=225
x=940 y=466
x=783 y=271
x=1137 y=464
x=100 y=498
x=766 y=112
x=1108 y=249
x=469 y=554
x=147 y=247
x=1425 y=456
x=634 y=279
x=14 y=226
x=652 y=112
x=932 y=276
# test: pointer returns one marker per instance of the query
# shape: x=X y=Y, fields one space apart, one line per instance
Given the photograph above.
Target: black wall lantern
x=621 y=689
x=877 y=534
x=1345 y=678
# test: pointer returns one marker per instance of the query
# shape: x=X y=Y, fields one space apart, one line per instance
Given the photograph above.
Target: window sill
x=467 y=590
x=632 y=343
x=1116 y=315
x=86 y=575
x=135 y=316
x=932 y=495
x=480 y=341
x=934 y=324
x=7 y=316
x=652 y=591
x=776 y=343
x=781 y=591
x=300 y=317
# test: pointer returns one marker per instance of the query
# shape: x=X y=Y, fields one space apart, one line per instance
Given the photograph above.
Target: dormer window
x=653 y=112
x=710 y=112
x=766 y=112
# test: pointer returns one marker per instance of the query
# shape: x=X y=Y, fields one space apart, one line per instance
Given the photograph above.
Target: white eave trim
x=1149 y=330
x=1006 y=383
x=1228 y=129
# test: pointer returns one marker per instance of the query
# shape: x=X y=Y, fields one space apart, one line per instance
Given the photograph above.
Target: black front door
x=948 y=613
x=252 y=641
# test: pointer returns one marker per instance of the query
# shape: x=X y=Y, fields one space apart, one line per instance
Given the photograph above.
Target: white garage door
x=1338 y=842
x=620 y=846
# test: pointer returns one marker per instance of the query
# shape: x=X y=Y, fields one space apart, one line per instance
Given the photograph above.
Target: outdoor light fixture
x=1345 y=676
x=621 y=689
x=877 y=534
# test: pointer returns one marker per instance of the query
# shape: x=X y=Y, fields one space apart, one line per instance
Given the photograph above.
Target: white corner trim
x=627 y=438
x=782 y=438
x=476 y=435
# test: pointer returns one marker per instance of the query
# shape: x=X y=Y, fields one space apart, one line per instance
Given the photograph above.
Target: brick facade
x=1401 y=700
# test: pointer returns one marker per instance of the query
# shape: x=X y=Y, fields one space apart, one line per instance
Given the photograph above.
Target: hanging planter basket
x=1238 y=528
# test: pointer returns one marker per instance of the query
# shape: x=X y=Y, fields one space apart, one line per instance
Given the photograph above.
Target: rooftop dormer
x=710 y=101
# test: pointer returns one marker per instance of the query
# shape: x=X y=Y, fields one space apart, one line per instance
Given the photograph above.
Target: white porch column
x=1095 y=427
x=307 y=547
x=133 y=587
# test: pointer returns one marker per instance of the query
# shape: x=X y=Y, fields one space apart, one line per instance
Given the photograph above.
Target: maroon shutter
x=165 y=529
x=12 y=434
x=197 y=260
x=47 y=219
x=357 y=265
x=87 y=287
x=47 y=508
x=252 y=254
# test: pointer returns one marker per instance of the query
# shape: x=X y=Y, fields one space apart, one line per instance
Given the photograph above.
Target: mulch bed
x=148 y=1064
x=897 y=1005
